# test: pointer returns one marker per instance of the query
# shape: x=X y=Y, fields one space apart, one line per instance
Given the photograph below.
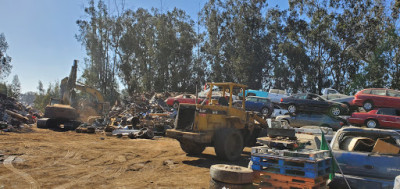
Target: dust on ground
x=52 y=159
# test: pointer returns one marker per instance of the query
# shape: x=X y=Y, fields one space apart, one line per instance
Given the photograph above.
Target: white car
x=275 y=95
x=279 y=111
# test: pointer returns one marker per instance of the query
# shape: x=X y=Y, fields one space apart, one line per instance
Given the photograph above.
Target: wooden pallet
x=308 y=154
x=260 y=176
x=278 y=181
x=283 y=185
x=292 y=166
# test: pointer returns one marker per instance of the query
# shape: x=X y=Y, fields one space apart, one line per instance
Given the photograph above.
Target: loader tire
x=228 y=144
x=231 y=174
x=191 y=148
x=219 y=185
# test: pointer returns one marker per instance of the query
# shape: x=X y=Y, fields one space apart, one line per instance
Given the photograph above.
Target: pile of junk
x=15 y=116
x=139 y=116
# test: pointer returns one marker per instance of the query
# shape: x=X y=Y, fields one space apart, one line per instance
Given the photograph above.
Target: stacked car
x=382 y=108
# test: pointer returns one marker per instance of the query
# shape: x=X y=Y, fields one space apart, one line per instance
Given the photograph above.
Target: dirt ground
x=51 y=159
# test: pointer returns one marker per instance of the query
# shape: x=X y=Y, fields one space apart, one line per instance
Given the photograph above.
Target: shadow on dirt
x=206 y=160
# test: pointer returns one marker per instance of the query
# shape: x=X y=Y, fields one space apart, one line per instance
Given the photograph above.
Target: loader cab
x=227 y=89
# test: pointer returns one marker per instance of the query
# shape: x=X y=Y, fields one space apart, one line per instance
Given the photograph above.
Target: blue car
x=258 y=104
x=250 y=92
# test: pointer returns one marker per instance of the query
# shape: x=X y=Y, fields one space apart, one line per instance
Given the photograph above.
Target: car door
x=302 y=102
x=250 y=104
x=300 y=120
x=313 y=102
x=379 y=98
x=386 y=117
x=393 y=98
x=321 y=104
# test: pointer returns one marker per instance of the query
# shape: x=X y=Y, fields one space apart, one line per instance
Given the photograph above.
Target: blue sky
x=40 y=34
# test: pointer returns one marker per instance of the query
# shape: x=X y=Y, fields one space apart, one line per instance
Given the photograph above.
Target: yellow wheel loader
x=219 y=124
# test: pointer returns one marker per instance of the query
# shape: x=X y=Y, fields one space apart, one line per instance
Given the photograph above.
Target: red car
x=381 y=117
x=184 y=98
x=377 y=98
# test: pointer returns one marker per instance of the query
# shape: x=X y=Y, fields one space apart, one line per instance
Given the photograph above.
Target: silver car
x=303 y=119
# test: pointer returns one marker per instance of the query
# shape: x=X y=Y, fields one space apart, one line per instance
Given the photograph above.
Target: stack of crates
x=284 y=169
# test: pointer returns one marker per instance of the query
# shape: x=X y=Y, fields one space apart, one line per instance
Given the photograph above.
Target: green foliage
x=42 y=99
x=14 y=89
x=347 y=45
x=5 y=60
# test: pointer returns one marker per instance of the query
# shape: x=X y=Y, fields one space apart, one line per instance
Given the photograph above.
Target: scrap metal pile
x=14 y=116
x=139 y=116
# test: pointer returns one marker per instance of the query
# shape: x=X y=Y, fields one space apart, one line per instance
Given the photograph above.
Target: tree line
x=347 y=45
x=313 y=44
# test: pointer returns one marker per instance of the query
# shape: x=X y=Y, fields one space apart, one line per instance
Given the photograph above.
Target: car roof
x=359 y=129
x=375 y=89
x=258 y=97
x=227 y=84
x=305 y=94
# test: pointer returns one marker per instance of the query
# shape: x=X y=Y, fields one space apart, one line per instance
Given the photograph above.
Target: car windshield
x=251 y=99
x=393 y=93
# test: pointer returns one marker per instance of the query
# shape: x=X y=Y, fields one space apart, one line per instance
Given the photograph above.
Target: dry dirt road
x=51 y=159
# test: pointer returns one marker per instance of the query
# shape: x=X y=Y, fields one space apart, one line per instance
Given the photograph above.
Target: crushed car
x=369 y=158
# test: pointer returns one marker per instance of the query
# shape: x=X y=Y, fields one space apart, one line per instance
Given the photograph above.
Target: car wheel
x=292 y=108
x=368 y=105
x=265 y=111
x=335 y=111
x=371 y=123
x=176 y=105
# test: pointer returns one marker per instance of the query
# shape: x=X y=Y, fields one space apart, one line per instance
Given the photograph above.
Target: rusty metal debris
x=139 y=116
x=14 y=116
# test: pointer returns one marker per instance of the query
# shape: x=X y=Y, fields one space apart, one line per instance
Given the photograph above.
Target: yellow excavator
x=62 y=113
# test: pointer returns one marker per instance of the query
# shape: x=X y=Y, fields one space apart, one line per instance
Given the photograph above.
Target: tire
x=42 y=123
x=335 y=111
x=368 y=105
x=292 y=108
x=145 y=133
x=218 y=185
x=231 y=174
x=371 y=123
x=149 y=134
x=265 y=111
x=191 y=148
x=228 y=144
x=131 y=135
x=175 y=105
